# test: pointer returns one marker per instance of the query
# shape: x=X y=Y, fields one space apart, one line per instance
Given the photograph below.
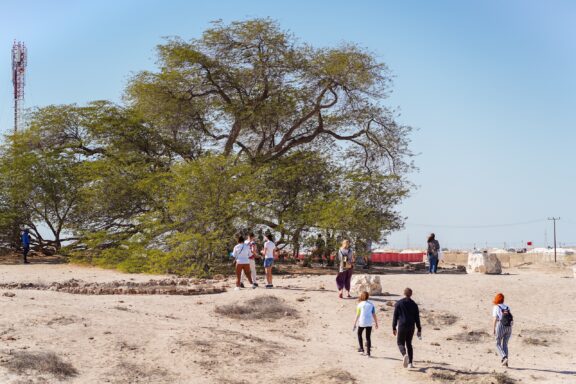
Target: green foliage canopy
x=243 y=128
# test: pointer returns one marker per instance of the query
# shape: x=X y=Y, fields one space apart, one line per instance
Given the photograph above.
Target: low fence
x=397 y=257
x=509 y=260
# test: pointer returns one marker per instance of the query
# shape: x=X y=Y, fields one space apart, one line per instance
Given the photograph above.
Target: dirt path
x=181 y=339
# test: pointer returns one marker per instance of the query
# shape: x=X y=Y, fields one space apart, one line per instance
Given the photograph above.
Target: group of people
x=406 y=319
x=405 y=322
x=245 y=254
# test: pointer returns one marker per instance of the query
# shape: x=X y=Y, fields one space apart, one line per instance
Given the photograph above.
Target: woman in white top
x=502 y=326
x=242 y=255
x=365 y=317
x=268 y=251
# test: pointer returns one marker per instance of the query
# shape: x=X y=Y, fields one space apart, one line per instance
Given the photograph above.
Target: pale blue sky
x=490 y=86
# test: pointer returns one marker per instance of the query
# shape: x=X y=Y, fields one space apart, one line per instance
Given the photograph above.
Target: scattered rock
x=171 y=286
x=390 y=303
x=9 y=294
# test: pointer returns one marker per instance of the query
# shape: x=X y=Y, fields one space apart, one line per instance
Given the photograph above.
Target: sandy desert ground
x=182 y=339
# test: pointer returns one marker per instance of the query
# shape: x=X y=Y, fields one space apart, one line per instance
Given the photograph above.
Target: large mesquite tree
x=241 y=128
x=249 y=88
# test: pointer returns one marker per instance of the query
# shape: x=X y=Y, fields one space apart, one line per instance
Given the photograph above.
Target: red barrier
x=387 y=257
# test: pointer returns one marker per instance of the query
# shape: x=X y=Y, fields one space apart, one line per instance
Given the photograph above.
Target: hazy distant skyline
x=489 y=86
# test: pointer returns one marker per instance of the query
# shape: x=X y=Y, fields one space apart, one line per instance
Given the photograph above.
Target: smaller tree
x=42 y=184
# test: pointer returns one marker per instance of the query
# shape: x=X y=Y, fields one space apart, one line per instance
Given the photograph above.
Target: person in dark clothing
x=406 y=318
x=25 y=239
x=433 y=253
x=319 y=249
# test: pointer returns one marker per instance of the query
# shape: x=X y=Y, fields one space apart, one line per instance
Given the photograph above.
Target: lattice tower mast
x=19 y=61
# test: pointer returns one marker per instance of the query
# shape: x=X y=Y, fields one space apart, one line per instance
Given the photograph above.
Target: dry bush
x=261 y=307
x=472 y=337
x=41 y=362
x=503 y=378
x=211 y=346
x=443 y=376
x=333 y=376
x=469 y=377
x=127 y=372
x=439 y=318
x=63 y=320
x=536 y=341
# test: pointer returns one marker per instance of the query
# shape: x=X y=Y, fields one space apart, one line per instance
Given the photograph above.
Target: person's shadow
x=569 y=373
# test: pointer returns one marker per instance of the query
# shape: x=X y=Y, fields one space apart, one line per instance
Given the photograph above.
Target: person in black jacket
x=406 y=318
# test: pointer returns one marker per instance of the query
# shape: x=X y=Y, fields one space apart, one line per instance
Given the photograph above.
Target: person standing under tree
x=25 y=239
x=268 y=251
x=345 y=266
x=319 y=249
x=406 y=318
x=433 y=253
x=251 y=243
x=241 y=254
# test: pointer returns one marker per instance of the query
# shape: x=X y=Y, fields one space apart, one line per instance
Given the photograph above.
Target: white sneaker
x=410 y=365
x=237 y=288
x=254 y=286
x=405 y=361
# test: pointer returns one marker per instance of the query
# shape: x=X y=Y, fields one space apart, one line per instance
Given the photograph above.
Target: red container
x=387 y=257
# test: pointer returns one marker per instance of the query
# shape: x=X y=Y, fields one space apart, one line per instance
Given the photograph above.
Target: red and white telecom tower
x=19 y=59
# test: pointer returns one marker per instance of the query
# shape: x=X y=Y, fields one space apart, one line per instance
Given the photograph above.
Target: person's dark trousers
x=25 y=251
x=343 y=279
x=368 y=340
x=404 y=340
x=432 y=263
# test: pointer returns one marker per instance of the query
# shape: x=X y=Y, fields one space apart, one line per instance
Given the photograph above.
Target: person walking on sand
x=365 y=317
x=268 y=251
x=25 y=239
x=346 y=262
x=433 y=252
x=406 y=318
x=242 y=254
x=502 y=326
x=251 y=243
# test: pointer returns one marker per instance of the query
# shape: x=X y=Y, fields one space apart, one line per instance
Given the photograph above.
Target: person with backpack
x=346 y=262
x=433 y=253
x=503 y=321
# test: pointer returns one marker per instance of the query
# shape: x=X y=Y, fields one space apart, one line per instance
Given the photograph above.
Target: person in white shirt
x=251 y=243
x=268 y=251
x=365 y=317
x=241 y=254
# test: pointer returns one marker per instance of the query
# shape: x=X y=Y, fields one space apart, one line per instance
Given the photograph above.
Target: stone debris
x=483 y=263
x=172 y=286
x=366 y=283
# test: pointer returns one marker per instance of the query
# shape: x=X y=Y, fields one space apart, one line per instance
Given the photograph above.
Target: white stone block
x=483 y=263
x=367 y=283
